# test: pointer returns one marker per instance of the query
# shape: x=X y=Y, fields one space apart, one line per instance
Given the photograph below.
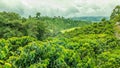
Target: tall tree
x=115 y=13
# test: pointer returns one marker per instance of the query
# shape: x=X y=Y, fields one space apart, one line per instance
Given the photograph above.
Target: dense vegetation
x=30 y=43
x=13 y=25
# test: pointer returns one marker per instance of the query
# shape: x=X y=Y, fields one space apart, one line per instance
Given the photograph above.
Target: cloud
x=66 y=8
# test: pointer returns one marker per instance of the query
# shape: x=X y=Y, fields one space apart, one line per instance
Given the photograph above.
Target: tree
x=38 y=15
x=103 y=19
x=115 y=13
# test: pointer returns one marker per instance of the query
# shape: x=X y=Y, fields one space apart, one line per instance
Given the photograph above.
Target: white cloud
x=67 y=8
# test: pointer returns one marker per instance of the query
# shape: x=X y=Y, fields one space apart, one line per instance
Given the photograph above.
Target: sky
x=66 y=8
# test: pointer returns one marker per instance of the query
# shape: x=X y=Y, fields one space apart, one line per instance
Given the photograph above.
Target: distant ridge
x=90 y=18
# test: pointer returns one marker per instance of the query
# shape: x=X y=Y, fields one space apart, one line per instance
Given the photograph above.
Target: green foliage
x=104 y=27
x=13 y=25
x=38 y=15
x=92 y=46
x=57 y=24
x=81 y=52
x=9 y=16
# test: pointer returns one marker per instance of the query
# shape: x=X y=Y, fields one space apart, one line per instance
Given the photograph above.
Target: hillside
x=27 y=43
x=81 y=50
x=39 y=27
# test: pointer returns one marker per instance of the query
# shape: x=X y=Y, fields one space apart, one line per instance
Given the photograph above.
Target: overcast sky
x=67 y=8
